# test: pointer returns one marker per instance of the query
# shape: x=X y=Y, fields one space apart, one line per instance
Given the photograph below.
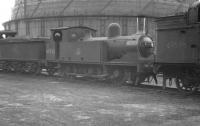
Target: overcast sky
x=5 y=9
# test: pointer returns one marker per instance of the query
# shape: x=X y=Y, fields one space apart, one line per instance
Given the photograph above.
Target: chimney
x=142 y=24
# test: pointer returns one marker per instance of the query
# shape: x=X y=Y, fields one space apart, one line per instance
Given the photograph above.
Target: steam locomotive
x=21 y=54
x=178 y=49
x=73 y=51
x=115 y=57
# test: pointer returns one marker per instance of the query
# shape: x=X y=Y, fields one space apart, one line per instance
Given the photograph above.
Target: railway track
x=146 y=86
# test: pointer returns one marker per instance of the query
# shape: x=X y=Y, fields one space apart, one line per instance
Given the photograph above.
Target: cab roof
x=66 y=28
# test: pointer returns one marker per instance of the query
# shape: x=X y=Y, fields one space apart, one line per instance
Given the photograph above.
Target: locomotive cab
x=62 y=36
x=72 y=34
x=193 y=14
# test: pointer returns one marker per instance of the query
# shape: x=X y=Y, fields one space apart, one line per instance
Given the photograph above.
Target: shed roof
x=66 y=28
x=46 y=8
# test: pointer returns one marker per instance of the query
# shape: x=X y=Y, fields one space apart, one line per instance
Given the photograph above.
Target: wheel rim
x=186 y=86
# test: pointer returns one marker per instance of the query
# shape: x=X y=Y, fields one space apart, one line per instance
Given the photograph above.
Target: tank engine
x=115 y=57
x=178 y=49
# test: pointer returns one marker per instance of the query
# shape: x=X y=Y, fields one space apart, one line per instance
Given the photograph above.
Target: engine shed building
x=35 y=18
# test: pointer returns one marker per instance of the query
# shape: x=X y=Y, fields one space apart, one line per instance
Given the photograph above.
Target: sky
x=6 y=10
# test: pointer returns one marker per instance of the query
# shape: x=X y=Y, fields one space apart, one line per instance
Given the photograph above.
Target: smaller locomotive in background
x=21 y=54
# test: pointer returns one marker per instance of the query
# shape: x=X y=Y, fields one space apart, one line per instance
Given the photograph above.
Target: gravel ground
x=46 y=101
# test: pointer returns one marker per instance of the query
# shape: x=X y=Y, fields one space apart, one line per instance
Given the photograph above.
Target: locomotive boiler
x=115 y=57
x=121 y=45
